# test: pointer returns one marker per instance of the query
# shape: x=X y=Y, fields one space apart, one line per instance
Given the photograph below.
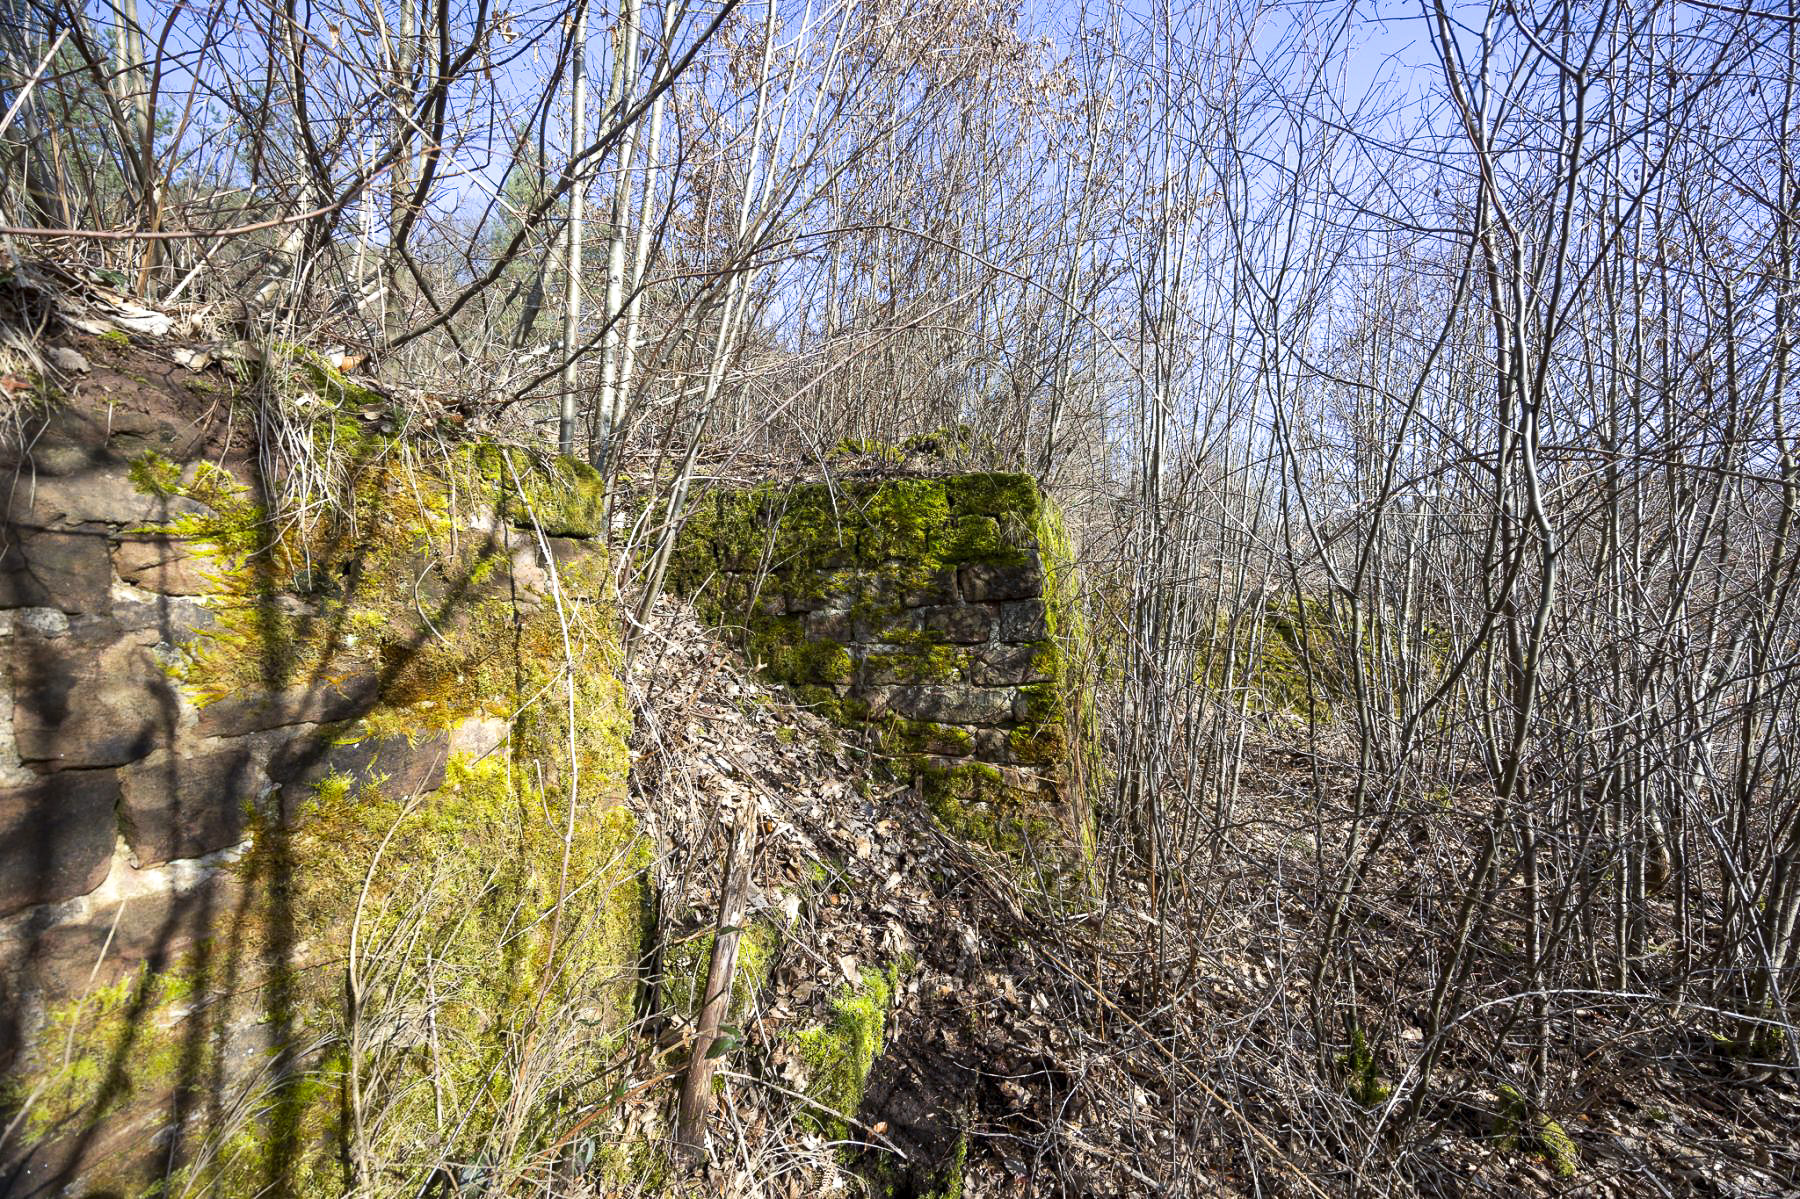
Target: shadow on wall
x=283 y=812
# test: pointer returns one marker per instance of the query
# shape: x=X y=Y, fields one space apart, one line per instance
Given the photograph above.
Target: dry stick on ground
x=696 y=1088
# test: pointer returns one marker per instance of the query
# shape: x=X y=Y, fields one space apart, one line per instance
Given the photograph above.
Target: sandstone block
x=155 y=928
x=58 y=441
x=939 y=589
x=329 y=700
x=1008 y=665
x=186 y=805
x=992 y=745
x=45 y=569
x=98 y=495
x=961 y=624
x=89 y=698
x=953 y=704
x=168 y=619
x=479 y=736
x=827 y=625
x=162 y=564
x=400 y=767
x=983 y=581
x=56 y=838
x=1022 y=620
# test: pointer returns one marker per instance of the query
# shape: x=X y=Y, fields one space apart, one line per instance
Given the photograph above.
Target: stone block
x=156 y=927
x=992 y=745
x=97 y=495
x=89 y=698
x=60 y=440
x=186 y=805
x=939 y=589
x=43 y=569
x=960 y=624
x=56 y=837
x=401 y=767
x=479 y=736
x=169 y=620
x=163 y=564
x=827 y=625
x=1022 y=620
x=952 y=704
x=984 y=581
x=329 y=700
x=1008 y=666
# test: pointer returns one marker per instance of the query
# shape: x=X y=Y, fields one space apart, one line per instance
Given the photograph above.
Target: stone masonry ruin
x=932 y=615
x=214 y=725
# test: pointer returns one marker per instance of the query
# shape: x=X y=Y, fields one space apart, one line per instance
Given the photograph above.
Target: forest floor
x=1042 y=1029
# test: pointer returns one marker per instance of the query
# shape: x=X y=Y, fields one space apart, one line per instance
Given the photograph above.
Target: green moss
x=686 y=964
x=839 y=1054
x=896 y=734
x=1046 y=745
x=508 y=904
x=1520 y=1126
x=901 y=518
x=1359 y=1066
x=153 y=474
x=117 y=338
x=868 y=447
x=951 y=1174
x=864 y=549
x=995 y=494
x=564 y=497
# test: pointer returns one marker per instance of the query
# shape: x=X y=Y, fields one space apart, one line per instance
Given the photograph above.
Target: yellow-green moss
x=1359 y=1067
x=839 y=1054
x=864 y=547
x=503 y=924
x=1519 y=1126
x=686 y=963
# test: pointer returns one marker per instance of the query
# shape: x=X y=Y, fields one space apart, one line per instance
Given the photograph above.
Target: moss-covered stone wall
x=934 y=616
x=307 y=882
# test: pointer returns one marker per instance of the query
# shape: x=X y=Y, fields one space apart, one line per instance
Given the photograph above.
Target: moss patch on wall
x=393 y=980
x=839 y=591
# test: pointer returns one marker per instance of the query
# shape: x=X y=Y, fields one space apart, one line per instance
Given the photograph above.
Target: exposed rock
x=57 y=441
x=152 y=925
x=480 y=736
x=161 y=564
x=185 y=805
x=1008 y=665
x=988 y=581
x=1022 y=620
x=171 y=619
x=56 y=837
x=950 y=704
x=961 y=624
x=90 y=698
x=401 y=767
x=66 y=570
x=318 y=703
x=939 y=589
x=98 y=495
x=827 y=625
x=68 y=360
